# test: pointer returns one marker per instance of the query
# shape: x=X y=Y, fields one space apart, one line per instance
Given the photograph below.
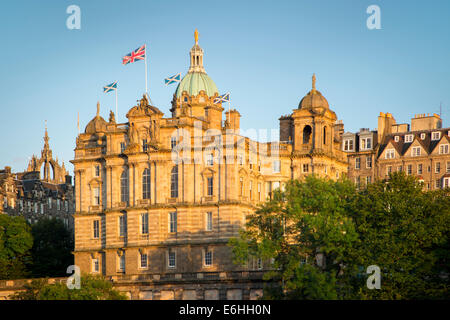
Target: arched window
x=146 y=184
x=174 y=182
x=307 y=134
x=324 y=135
x=124 y=186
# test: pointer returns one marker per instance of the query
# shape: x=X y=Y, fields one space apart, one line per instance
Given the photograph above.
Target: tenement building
x=159 y=197
x=420 y=149
x=44 y=190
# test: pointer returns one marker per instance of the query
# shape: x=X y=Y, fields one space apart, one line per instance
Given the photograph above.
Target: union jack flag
x=223 y=98
x=138 y=54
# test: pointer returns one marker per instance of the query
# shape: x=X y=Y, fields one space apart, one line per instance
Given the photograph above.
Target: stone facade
x=158 y=198
x=43 y=190
x=422 y=151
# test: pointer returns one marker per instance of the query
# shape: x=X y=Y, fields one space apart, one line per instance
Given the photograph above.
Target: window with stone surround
x=143 y=260
x=369 y=162
x=173 y=222
x=146 y=183
x=389 y=154
x=208 y=258
x=210 y=186
x=415 y=151
x=124 y=186
x=144 y=223
x=122 y=225
x=174 y=182
x=443 y=149
x=437 y=168
x=357 y=163
x=209 y=221
x=95 y=265
x=171 y=259
x=96 y=229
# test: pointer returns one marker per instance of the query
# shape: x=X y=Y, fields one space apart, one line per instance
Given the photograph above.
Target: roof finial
x=196 y=36
x=314 y=82
x=98 y=108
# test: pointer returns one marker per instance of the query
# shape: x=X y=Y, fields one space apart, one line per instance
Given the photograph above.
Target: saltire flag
x=223 y=98
x=110 y=87
x=173 y=79
x=138 y=54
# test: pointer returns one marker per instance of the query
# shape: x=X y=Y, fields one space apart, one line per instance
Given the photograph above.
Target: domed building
x=158 y=198
x=315 y=134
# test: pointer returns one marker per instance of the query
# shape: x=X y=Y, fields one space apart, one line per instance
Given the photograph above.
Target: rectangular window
x=172 y=222
x=438 y=183
x=409 y=169
x=276 y=166
x=95 y=265
x=144 y=145
x=443 y=149
x=241 y=186
x=369 y=162
x=415 y=151
x=42 y=208
x=49 y=203
x=305 y=167
x=250 y=187
x=210 y=183
x=390 y=154
x=357 y=163
x=348 y=145
x=209 y=222
x=448 y=166
x=58 y=204
x=446 y=182
x=122 y=225
x=368 y=179
x=122 y=147
x=144 y=223
x=358 y=181
x=400 y=168
x=366 y=143
x=419 y=168
x=208 y=258
x=97 y=171
x=172 y=259
x=122 y=262
x=96 y=227
x=388 y=170
x=435 y=135
x=144 y=261
x=173 y=142
x=96 y=196
x=438 y=167
x=408 y=138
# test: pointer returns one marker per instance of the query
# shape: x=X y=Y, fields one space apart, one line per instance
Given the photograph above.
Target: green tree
x=52 y=248
x=403 y=230
x=307 y=233
x=15 y=244
x=91 y=288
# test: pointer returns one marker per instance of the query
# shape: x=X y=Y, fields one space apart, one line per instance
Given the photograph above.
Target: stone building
x=43 y=190
x=158 y=198
x=420 y=149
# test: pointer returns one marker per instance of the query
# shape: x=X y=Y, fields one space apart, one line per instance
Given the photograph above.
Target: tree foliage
x=15 y=243
x=51 y=249
x=321 y=235
x=91 y=288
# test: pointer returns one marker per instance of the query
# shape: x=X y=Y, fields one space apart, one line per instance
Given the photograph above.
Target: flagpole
x=117 y=114
x=78 y=122
x=145 y=59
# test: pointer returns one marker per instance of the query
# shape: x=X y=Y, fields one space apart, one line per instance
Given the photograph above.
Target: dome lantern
x=313 y=99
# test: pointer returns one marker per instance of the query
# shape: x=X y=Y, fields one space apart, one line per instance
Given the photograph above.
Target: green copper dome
x=194 y=82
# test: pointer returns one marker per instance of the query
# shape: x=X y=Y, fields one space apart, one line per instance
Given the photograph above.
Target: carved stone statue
x=143 y=102
x=133 y=134
x=112 y=117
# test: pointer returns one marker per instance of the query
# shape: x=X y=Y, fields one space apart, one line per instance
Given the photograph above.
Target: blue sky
x=263 y=52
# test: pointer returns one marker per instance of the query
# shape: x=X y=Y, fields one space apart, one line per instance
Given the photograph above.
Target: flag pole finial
x=98 y=108
x=196 y=36
x=314 y=82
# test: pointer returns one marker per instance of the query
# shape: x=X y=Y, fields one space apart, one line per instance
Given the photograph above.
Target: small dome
x=98 y=124
x=313 y=99
x=194 y=82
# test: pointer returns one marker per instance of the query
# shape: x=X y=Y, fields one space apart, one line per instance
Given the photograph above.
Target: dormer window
x=366 y=143
x=396 y=138
x=422 y=136
x=435 y=135
x=408 y=138
x=348 y=145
